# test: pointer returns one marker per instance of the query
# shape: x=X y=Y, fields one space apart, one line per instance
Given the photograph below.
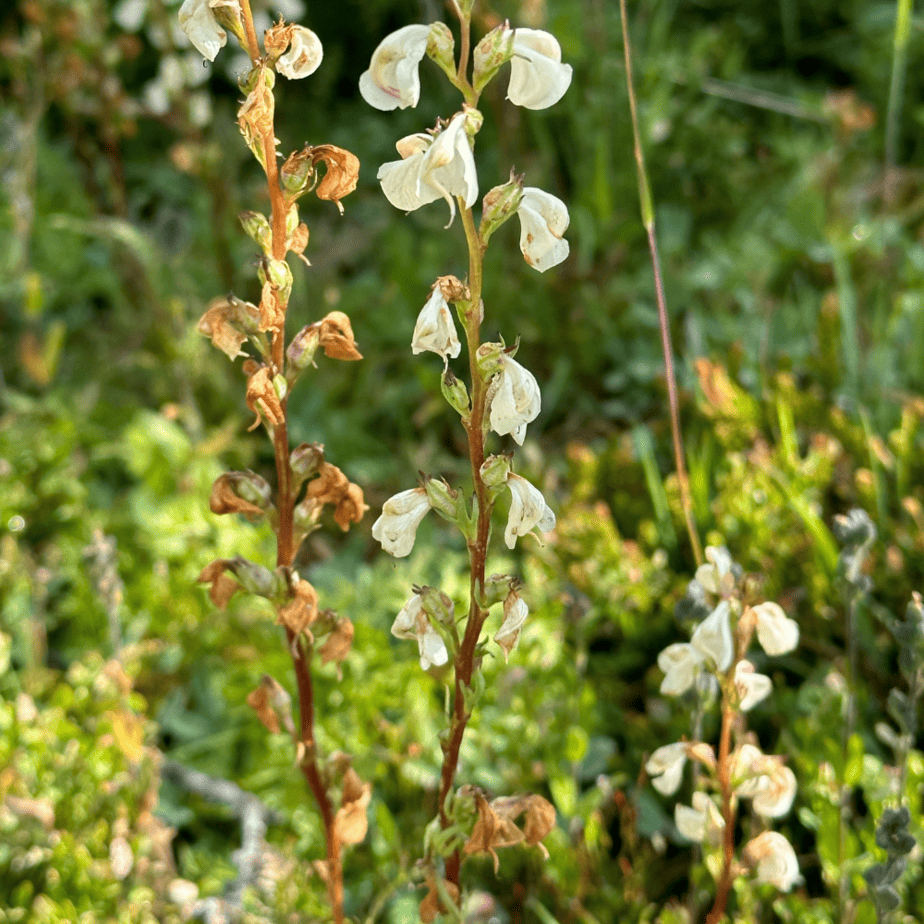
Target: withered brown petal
x=431 y=906
x=223 y=499
x=342 y=172
x=351 y=508
x=350 y=822
x=337 y=645
x=259 y=701
x=337 y=337
x=263 y=400
x=302 y=610
x=223 y=586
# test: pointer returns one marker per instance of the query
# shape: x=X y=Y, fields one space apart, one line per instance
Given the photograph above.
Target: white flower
x=776 y=632
x=303 y=56
x=515 y=613
x=432 y=168
x=516 y=402
x=396 y=528
x=681 y=663
x=412 y=623
x=713 y=637
x=716 y=576
x=543 y=220
x=751 y=687
x=701 y=823
x=769 y=784
x=665 y=766
x=393 y=81
x=435 y=330
x=528 y=510
x=198 y=22
x=775 y=860
x=538 y=79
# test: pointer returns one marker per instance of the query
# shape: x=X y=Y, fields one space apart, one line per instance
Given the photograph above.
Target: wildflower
x=769 y=784
x=515 y=613
x=197 y=20
x=413 y=623
x=716 y=575
x=543 y=220
x=681 y=663
x=435 y=330
x=711 y=642
x=666 y=767
x=538 y=79
x=776 y=632
x=432 y=168
x=702 y=822
x=396 y=528
x=751 y=687
x=713 y=637
x=393 y=81
x=304 y=55
x=528 y=510
x=516 y=402
x=774 y=858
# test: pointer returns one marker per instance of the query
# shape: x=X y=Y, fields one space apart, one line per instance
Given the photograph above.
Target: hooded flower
x=538 y=79
x=713 y=637
x=765 y=780
x=435 y=330
x=665 y=767
x=304 y=55
x=392 y=81
x=396 y=528
x=711 y=642
x=751 y=687
x=413 y=623
x=516 y=402
x=528 y=510
x=776 y=632
x=201 y=27
x=701 y=823
x=774 y=859
x=543 y=220
x=432 y=168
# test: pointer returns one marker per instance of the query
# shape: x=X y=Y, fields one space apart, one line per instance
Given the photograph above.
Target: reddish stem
x=728 y=814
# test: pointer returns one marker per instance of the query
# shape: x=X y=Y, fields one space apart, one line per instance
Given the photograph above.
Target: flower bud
x=491 y=54
x=258 y=228
x=306 y=460
x=280 y=386
x=256 y=76
x=441 y=48
x=494 y=471
x=297 y=172
x=227 y=14
x=473 y=122
x=455 y=393
x=255 y=578
x=490 y=359
x=245 y=314
x=496 y=588
x=277 y=273
x=442 y=498
x=500 y=203
x=436 y=605
x=303 y=347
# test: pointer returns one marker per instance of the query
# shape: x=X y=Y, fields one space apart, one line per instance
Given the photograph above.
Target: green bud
x=437 y=606
x=473 y=122
x=455 y=393
x=441 y=48
x=471 y=694
x=255 y=578
x=500 y=203
x=245 y=315
x=227 y=14
x=280 y=386
x=258 y=228
x=297 y=172
x=252 y=488
x=488 y=359
x=442 y=499
x=249 y=80
x=277 y=273
x=303 y=347
x=497 y=588
x=494 y=471
x=491 y=54
x=306 y=460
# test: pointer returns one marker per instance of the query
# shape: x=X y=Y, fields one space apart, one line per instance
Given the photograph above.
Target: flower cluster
x=715 y=657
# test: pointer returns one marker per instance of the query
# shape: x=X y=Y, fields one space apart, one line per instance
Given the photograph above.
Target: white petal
x=776 y=793
x=432 y=649
x=201 y=28
x=681 y=663
x=435 y=330
x=393 y=79
x=401 y=183
x=752 y=687
x=538 y=79
x=449 y=165
x=713 y=637
x=396 y=528
x=666 y=766
x=543 y=220
x=528 y=510
x=776 y=632
x=516 y=402
x=515 y=613
x=406 y=622
x=776 y=860
x=303 y=56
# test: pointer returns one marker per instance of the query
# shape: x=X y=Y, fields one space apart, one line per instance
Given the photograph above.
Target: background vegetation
x=796 y=285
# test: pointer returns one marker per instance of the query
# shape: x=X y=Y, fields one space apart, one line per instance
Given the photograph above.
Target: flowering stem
x=648 y=219
x=477 y=549
x=728 y=814
x=285 y=504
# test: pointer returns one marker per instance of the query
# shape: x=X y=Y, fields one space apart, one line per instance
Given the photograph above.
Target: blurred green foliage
x=798 y=321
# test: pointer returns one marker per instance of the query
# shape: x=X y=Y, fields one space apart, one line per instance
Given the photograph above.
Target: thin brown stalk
x=728 y=814
x=648 y=220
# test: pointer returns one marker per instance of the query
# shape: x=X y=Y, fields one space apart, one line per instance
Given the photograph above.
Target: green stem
x=648 y=220
x=896 y=92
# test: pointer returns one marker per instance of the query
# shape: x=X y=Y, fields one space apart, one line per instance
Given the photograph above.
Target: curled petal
x=776 y=632
x=396 y=528
x=528 y=510
x=666 y=767
x=515 y=613
x=543 y=220
x=538 y=79
x=516 y=402
x=304 y=55
x=393 y=81
x=435 y=330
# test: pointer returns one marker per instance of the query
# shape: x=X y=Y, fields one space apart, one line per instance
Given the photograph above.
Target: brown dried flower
x=222 y=323
x=226 y=496
x=334 y=488
x=301 y=610
x=342 y=172
x=495 y=827
x=223 y=586
x=337 y=337
x=271 y=703
x=350 y=822
x=431 y=905
x=255 y=117
x=263 y=400
x=338 y=643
